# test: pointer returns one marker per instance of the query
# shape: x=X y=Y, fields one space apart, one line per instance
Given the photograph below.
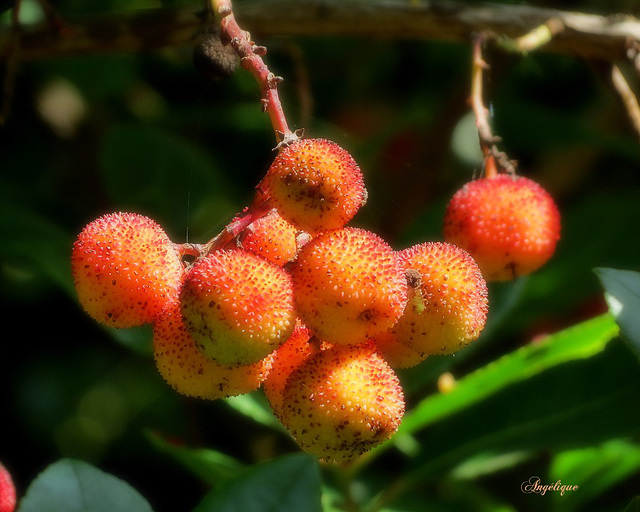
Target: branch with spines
x=251 y=59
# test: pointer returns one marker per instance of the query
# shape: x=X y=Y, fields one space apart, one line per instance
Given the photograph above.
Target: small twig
x=586 y=36
x=629 y=99
x=534 y=39
x=251 y=60
x=488 y=140
x=633 y=53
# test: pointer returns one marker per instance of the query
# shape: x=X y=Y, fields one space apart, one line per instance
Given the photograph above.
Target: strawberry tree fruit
x=237 y=306
x=315 y=184
x=447 y=306
x=349 y=285
x=509 y=224
x=7 y=491
x=289 y=356
x=342 y=401
x=271 y=237
x=125 y=269
x=187 y=370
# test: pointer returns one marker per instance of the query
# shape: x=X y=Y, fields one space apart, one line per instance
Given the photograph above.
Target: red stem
x=251 y=60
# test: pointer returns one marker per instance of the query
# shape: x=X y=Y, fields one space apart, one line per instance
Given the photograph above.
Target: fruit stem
x=260 y=206
x=251 y=60
x=487 y=139
x=490 y=169
x=493 y=158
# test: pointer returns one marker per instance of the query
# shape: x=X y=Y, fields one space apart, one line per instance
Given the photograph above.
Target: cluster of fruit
x=317 y=312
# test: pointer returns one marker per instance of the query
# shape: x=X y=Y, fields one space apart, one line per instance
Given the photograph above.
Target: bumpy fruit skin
x=343 y=401
x=271 y=237
x=237 y=306
x=187 y=370
x=397 y=354
x=289 y=356
x=7 y=491
x=125 y=269
x=315 y=184
x=509 y=224
x=349 y=285
x=447 y=308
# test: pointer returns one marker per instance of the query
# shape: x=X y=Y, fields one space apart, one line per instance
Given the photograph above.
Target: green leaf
x=568 y=406
x=622 y=293
x=595 y=469
x=29 y=238
x=211 y=466
x=70 y=485
x=577 y=342
x=290 y=483
x=254 y=406
x=136 y=339
x=503 y=297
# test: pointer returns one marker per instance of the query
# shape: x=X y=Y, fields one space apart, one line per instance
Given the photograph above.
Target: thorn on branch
x=287 y=139
x=273 y=80
x=260 y=50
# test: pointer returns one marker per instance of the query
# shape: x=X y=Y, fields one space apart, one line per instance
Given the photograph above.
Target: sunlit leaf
x=596 y=469
x=578 y=342
x=622 y=292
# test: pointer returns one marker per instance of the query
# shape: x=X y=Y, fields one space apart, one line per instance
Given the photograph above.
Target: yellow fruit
x=187 y=370
x=349 y=285
x=342 y=401
x=237 y=306
x=447 y=308
x=291 y=354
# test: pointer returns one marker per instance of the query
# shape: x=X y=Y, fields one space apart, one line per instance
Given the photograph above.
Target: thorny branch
x=251 y=60
x=612 y=39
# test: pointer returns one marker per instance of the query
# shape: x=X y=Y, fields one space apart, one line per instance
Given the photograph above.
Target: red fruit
x=125 y=269
x=189 y=371
x=7 y=491
x=271 y=237
x=237 y=306
x=509 y=224
x=289 y=356
x=342 y=401
x=349 y=285
x=447 y=308
x=315 y=184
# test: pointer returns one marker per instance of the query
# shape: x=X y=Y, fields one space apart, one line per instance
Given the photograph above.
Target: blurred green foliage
x=144 y=132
